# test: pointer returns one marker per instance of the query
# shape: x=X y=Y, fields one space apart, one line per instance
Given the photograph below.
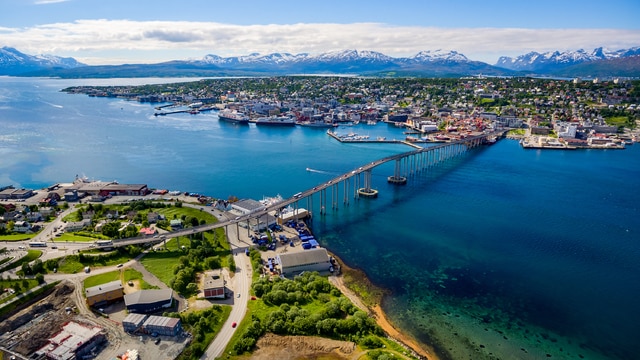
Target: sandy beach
x=421 y=350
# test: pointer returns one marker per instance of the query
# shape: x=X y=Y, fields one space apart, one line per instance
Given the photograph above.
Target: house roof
x=211 y=283
x=312 y=256
x=161 y=321
x=103 y=288
x=135 y=319
x=148 y=296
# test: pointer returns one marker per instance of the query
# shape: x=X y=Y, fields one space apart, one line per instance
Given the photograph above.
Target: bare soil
x=272 y=346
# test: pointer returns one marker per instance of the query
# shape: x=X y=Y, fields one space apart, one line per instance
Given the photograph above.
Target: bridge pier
x=396 y=178
x=367 y=191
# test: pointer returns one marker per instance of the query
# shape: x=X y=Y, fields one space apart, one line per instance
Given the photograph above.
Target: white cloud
x=118 y=41
x=45 y=2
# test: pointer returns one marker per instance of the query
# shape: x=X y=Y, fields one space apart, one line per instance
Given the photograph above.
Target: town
x=544 y=113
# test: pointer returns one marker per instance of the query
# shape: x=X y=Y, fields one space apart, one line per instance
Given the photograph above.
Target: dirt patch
x=272 y=346
x=30 y=328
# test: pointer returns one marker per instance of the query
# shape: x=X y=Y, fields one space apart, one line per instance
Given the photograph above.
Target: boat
x=490 y=140
x=275 y=121
x=233 y=116
x=316 y=124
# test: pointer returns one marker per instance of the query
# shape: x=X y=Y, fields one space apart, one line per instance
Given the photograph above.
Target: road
x=241 y=284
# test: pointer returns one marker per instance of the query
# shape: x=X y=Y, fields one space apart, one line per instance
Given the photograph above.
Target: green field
x=71 y=264
x=129 y=274
x=17 y=237
x=161 y=264
x=31 y=255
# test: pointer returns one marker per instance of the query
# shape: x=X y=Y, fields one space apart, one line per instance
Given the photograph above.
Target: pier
x=363 y=140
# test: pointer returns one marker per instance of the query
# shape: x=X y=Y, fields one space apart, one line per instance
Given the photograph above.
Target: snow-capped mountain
x=439 y=55
x=555 y=60
x=14 y=62
x=440 y=63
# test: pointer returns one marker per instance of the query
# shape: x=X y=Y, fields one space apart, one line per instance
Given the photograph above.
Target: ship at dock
x=275 y=121
x=233 y=117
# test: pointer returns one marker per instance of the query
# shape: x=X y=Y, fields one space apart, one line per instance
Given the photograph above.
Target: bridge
x=406 y=164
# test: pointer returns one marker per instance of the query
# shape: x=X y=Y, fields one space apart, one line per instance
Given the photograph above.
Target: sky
x=101 y=32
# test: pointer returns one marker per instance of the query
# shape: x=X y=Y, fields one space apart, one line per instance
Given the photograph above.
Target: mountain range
x=438 y=63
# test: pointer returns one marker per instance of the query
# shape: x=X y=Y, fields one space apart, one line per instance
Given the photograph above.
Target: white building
x=307 y=260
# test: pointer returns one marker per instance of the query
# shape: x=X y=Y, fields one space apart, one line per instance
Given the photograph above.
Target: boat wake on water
x=318 y=171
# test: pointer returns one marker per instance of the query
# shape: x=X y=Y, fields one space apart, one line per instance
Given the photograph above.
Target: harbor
x=363 y=139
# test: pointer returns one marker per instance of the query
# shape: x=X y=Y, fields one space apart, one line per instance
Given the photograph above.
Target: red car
x=234 y=325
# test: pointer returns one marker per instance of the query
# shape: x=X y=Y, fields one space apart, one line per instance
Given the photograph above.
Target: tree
x=40 y=278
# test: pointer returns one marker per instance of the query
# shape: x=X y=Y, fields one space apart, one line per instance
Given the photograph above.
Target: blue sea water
x=501 y=253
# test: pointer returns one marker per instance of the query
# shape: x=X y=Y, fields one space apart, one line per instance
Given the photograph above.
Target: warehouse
x=161 y=325
x=133 y=322
x=104 y=293
x=147 y=301
x=307 y=260
x=72 y=342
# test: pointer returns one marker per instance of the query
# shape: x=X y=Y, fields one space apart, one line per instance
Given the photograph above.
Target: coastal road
x=241 y=284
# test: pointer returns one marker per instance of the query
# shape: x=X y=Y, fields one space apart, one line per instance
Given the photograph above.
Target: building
x=147 y=301
x=124 y=189
x=214 y=287
x=77 y=225
x=308 y=260
x=104 y=293
x=162 y=325
x=175 y=224
x=247 y=206
x=133 y=322
x=21 y=226
x=73 y=342
x=11 y=193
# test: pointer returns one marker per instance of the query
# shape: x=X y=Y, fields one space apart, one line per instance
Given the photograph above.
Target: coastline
x=349 y=278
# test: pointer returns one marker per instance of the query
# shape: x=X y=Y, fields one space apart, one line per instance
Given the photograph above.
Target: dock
x=371 y=141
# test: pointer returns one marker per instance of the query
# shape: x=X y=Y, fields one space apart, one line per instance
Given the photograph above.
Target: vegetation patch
x=306 y=305
x=204 y=326
x=31 y=255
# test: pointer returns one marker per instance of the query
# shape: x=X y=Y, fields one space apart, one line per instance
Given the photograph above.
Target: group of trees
x=203 y=254
x=336 y=318
x=202 y=325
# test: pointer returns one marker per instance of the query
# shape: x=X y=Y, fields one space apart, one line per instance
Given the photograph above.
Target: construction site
x=59 y=325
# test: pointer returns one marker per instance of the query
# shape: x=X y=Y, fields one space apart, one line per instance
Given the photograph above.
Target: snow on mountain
x=436 y=55
x=553 y=60
x=13 y=62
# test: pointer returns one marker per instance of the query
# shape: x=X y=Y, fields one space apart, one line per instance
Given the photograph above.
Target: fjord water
x=500 y=253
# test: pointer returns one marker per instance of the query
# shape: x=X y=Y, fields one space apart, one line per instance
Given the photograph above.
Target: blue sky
x=132 y=31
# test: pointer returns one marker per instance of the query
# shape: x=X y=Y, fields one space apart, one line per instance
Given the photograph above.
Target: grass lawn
x=71 y=264
x=19 y=285
x=169 y=213
x=31 y=255
x=94 y=280
x=70 y=237
x=617 y=121
x=17 y=237
x=161 y=264
x=129 y=274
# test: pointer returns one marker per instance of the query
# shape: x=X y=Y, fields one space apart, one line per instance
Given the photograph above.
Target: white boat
x=317 y=124
x=233 y=116
x=275 y=121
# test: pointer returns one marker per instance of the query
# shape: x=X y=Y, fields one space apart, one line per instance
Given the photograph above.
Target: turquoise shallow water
x=502 y=253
